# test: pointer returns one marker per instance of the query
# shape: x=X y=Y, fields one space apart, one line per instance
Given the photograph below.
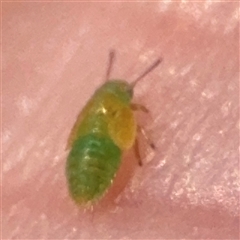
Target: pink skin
x=55 y=56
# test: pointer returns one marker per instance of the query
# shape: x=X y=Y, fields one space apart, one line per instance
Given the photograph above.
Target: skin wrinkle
x=54 y=58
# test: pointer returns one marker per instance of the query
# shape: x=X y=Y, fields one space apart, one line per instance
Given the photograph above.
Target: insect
x=103 y=130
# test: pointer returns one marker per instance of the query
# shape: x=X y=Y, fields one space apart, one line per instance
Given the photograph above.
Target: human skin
x=55 y=56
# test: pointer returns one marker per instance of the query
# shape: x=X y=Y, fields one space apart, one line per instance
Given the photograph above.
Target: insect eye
x=128 y=89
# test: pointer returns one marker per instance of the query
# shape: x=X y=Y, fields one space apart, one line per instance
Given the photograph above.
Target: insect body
x=103 y=130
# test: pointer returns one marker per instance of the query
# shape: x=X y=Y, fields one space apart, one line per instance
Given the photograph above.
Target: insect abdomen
x=91 y=166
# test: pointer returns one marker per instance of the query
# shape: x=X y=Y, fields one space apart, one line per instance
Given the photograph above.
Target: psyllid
x=103 y=130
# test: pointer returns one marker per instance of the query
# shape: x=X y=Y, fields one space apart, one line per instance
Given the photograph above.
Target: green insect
x=103 y=130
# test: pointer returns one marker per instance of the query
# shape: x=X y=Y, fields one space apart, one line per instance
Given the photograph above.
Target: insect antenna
x=148 y=70
x=111 y=60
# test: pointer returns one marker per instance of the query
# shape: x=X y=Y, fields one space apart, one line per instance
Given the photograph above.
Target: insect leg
x=137 y=152
x=142 y=131
x=137 y=107
x=136 y=144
